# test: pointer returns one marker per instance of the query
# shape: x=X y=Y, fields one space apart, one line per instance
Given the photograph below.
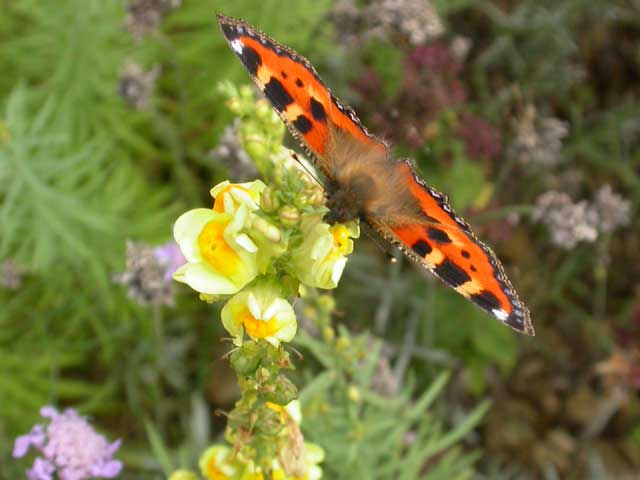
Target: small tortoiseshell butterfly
x=363 y=180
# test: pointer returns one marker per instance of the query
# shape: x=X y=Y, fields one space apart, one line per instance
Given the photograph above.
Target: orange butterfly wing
x=295 y=90
x=441 y=241
x=402 y=208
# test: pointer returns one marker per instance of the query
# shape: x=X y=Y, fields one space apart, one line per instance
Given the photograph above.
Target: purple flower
x=69 y=447
x=171 y=258
x=481 y=140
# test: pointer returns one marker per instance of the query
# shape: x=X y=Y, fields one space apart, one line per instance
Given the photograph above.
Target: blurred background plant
x=525 y=112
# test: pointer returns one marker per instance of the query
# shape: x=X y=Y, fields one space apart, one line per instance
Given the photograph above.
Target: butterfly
x=364 y=181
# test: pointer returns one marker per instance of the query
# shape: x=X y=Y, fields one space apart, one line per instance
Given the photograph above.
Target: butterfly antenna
x=305 y=168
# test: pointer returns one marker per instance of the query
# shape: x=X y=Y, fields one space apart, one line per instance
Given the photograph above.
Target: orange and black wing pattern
x=436 y=238
x=291 y=84
x=396 y=203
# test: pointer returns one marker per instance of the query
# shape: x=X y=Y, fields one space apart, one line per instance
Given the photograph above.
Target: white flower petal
x=254 y=306
x=219 y=187
x=227 y=201
x=294 y=410
x=338 y=268
x=241 y=196
x=245 y=242
x=272 y=309
x=187 y=229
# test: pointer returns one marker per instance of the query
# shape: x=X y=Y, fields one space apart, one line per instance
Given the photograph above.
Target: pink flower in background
x=69 y=448
x=170 y=256
x=481 y=139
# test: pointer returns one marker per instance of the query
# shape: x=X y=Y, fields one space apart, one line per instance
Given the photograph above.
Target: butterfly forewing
x=295 y=90
x=399 y=205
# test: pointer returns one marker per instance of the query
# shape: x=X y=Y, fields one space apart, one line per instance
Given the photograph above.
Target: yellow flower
x=183 y=475
x=216 y=463
x=261 y=313
x=320 y=260
x=221 y=258
x=313 y=456
x=229 y=196
x=291 y=410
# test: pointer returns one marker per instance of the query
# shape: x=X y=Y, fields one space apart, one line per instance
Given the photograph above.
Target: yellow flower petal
x=186 y=231
x=204 y=279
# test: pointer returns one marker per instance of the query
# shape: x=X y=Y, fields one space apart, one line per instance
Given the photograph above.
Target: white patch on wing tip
x=500 y=314
x=236 y=44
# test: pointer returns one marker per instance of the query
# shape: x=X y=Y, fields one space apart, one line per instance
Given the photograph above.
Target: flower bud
x=270 y=232
x=269 y=200
x=245 y=360
x=183 y=475
x=269 y=422
x=289 y=215
x=328 y=334
x=354 y=394
x=283 y=393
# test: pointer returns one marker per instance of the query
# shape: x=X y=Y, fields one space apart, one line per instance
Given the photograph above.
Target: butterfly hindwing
x=291 y=84
x=441 y=241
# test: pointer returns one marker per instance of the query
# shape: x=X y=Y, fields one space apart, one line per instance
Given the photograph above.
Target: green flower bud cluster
x=255 y=425
x=261 y=131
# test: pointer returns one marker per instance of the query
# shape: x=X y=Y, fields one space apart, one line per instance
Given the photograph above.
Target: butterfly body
x=364 y=181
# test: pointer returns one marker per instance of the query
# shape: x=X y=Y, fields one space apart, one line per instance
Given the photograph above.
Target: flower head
x=216 y=463
x=136 y=85
x=229 y=196
x=221 y=258
x=148 y=272
x=320 y=260
x=614 y=210
x=568 y=222
x=144 y=16
x=69 y=447
x=183 y=474
x=262 y=314
x=538 y=140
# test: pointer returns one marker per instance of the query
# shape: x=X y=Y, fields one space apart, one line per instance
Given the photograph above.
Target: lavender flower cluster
x=415 y=20
x=143 y=16
x=69 y=448
x=148 y=273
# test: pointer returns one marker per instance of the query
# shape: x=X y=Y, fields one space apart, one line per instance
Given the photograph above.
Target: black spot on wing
x=251 y=60
x=486 y=300
x=421 y=247
x=317 y=110
x=277 y=94
x=229 y=31
x=299 y=83
x=515 y=321
x=465 y=254
x=303 y=124
x=473 y=268
x=451 y=273
x=438 y=235
x=284 y=74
